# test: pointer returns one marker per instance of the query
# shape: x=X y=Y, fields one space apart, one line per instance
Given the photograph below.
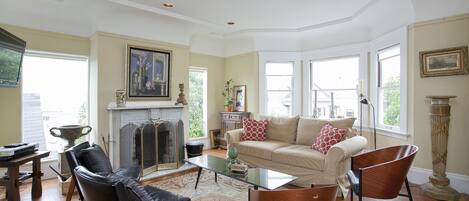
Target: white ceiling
x=255 y=15
x=260 y=24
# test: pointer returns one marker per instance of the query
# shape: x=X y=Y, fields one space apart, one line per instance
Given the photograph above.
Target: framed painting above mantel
x=148 y=73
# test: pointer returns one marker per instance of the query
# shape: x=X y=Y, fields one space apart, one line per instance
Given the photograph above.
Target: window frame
x=280 y=57
x=205 y=98
x=55 y=55
x=397 y=37
x=311 y=80
x=356 y=50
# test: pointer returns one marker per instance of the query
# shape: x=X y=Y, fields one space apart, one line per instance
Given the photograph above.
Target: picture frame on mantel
x=148 y=73
x=444 y=62
x=239 y=92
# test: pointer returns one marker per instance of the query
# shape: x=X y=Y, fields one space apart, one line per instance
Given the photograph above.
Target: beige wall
x=450 y=32
x=10 y=98
x=216 y=78
x=110 y=66
x=244 y=70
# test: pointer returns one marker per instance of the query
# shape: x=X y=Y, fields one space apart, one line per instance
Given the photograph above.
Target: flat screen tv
x=11 y=57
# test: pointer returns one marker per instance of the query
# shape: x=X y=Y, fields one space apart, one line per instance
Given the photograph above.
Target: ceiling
x=295 y=24
x=292 y=15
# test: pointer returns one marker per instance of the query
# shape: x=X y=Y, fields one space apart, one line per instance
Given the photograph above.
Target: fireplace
x=152 y=145
x=152 y=138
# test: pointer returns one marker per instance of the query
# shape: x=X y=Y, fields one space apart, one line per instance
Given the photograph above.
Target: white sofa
x=288 y=150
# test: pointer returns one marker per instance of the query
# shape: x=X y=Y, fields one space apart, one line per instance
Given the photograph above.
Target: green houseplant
x=228 y=94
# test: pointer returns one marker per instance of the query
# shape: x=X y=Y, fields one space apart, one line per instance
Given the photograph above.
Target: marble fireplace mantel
x=138 y=113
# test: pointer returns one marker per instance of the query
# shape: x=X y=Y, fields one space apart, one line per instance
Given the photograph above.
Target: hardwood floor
x=51 y=188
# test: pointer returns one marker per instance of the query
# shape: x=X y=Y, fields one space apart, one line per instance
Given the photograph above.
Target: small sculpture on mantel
x=120 y=98
x=182 y=97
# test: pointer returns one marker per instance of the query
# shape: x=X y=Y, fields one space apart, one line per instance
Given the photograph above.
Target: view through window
x=55 y=93
x=334 y=82
x=197 y=102
x=279 y=85
x=389 y=69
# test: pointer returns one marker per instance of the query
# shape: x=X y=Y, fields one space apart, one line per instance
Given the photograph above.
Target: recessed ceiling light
x=168 y=5
x=230 y=23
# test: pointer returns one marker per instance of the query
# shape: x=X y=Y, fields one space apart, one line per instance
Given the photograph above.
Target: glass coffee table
x=258 y=177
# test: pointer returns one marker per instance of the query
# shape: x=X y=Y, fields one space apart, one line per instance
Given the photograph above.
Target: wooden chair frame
x=390 y=165
x=315 y=193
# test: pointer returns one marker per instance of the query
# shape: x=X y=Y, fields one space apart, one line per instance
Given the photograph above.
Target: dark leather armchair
x=315 y=193
x=103 y=188
x=75 y=157
x=380 y=174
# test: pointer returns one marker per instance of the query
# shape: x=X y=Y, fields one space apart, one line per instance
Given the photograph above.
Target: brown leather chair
x=315 y=193
x=381 y=173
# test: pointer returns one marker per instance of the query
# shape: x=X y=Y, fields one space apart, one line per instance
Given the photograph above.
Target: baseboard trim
x=458 y=181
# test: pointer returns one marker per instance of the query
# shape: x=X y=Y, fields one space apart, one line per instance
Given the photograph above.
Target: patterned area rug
x=226 y=189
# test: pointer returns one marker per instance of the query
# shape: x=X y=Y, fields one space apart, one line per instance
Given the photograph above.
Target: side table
x=15 y=178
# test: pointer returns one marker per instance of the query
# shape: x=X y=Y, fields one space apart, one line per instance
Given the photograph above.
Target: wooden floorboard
x=51 y=188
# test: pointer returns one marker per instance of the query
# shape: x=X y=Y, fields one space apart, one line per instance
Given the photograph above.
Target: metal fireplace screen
x=153 y=145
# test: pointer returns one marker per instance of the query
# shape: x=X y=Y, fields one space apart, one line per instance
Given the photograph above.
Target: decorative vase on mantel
x=439 y=187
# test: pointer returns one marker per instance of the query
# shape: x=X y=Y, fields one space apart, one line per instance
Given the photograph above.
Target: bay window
x=388 y=86
x=334 y=87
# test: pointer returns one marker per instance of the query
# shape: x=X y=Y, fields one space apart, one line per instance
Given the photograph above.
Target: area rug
x=226 y=189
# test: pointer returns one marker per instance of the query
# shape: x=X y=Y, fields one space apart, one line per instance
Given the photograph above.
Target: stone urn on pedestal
x=439 y=187
x=70 y=133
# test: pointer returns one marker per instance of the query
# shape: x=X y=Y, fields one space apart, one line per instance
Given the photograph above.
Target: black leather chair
x=105 y=188
x=85 y=153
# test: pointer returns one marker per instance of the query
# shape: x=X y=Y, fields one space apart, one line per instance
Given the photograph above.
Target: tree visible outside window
x=389 y=87
x=197 y=102
x=54 y=93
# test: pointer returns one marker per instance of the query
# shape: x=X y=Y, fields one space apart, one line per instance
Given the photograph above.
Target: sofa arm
x=233 y=136
x=343 y=151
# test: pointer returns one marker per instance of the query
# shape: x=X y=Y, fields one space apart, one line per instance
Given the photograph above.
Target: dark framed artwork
x=239 y=92
x=148 y=74
x=444 y=62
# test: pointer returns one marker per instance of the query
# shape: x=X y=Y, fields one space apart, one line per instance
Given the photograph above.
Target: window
x=389 y=104
x=334 y=85
x=197 y=102
x=55 y=93
x=279 y=88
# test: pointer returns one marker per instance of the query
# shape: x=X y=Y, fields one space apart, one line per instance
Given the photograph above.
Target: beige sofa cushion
x=299 y=156
x=281 y=128
x=308 y=129
x=260 y=149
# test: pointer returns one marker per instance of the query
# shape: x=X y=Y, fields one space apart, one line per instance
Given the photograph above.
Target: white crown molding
x=261 y=30
x=310 y=27
x=164 y=12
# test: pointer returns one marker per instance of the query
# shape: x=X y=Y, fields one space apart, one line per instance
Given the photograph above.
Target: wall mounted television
x=11 y=57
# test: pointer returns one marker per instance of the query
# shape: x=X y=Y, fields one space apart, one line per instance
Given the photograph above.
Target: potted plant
x=228 y=94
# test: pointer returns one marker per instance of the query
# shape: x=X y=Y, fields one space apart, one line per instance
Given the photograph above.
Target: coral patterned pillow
x=328 y=136
x=254 y=130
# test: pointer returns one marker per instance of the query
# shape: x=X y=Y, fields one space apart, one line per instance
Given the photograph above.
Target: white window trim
x=360 y=50
x=54 y=55
x=205 y=97
x=267 y=57
x=397 y=37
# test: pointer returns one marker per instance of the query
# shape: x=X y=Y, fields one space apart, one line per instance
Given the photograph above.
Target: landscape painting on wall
x=444 y=62
x=148 y=73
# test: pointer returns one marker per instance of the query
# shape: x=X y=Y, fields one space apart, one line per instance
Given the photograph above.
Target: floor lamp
x=366 y=102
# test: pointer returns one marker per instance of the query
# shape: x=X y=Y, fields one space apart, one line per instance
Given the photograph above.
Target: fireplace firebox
x=152 y=138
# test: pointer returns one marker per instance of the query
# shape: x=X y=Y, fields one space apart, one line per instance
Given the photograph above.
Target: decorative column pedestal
x=438 y=187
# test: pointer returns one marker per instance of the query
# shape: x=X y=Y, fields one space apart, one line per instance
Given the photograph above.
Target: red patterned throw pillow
x=254 y=130
x=328 y=136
